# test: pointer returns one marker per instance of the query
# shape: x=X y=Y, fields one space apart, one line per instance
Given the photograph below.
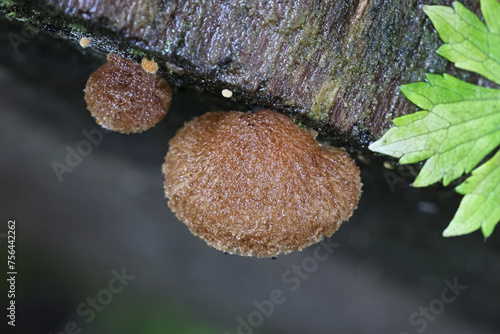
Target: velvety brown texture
x=257 y=184
x=123 y=97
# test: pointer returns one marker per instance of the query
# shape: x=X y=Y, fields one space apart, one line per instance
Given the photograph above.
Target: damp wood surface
x=334 y=65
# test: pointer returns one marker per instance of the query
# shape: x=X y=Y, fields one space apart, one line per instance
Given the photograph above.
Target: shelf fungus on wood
x=257 y=184
x=124 y=97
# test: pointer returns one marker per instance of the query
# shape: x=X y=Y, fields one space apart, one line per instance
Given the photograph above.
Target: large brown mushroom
x=124 y=97
x=257 y=184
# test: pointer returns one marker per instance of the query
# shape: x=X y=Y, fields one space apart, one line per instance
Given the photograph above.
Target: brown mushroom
x=257 y=184
x=149 y=66
x=125 y=98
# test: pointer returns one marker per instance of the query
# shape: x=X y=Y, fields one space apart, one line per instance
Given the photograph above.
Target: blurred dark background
x=109 y=216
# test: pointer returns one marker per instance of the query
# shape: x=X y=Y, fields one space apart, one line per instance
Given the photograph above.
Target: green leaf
x=459 y=127
x=479 y=208
x=491 y=12
x=470 y=44
x=459 y=124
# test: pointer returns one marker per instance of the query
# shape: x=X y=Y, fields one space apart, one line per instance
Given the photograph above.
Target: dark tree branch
x=336 y=65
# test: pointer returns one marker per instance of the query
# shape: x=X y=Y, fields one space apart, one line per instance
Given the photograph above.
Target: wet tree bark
x=335 y=65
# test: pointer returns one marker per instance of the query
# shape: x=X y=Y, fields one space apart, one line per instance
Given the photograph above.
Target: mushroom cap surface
x=257 y=184
x=122 y=97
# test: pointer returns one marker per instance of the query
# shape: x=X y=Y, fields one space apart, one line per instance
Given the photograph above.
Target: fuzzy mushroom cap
x=123 y=97
x=257 y=184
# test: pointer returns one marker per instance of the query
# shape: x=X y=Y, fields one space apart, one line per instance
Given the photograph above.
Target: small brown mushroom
x=123 y=97
x=149 y=66
x=257 y=184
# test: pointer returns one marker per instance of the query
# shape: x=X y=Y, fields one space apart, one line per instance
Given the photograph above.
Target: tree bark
x=335 y=65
